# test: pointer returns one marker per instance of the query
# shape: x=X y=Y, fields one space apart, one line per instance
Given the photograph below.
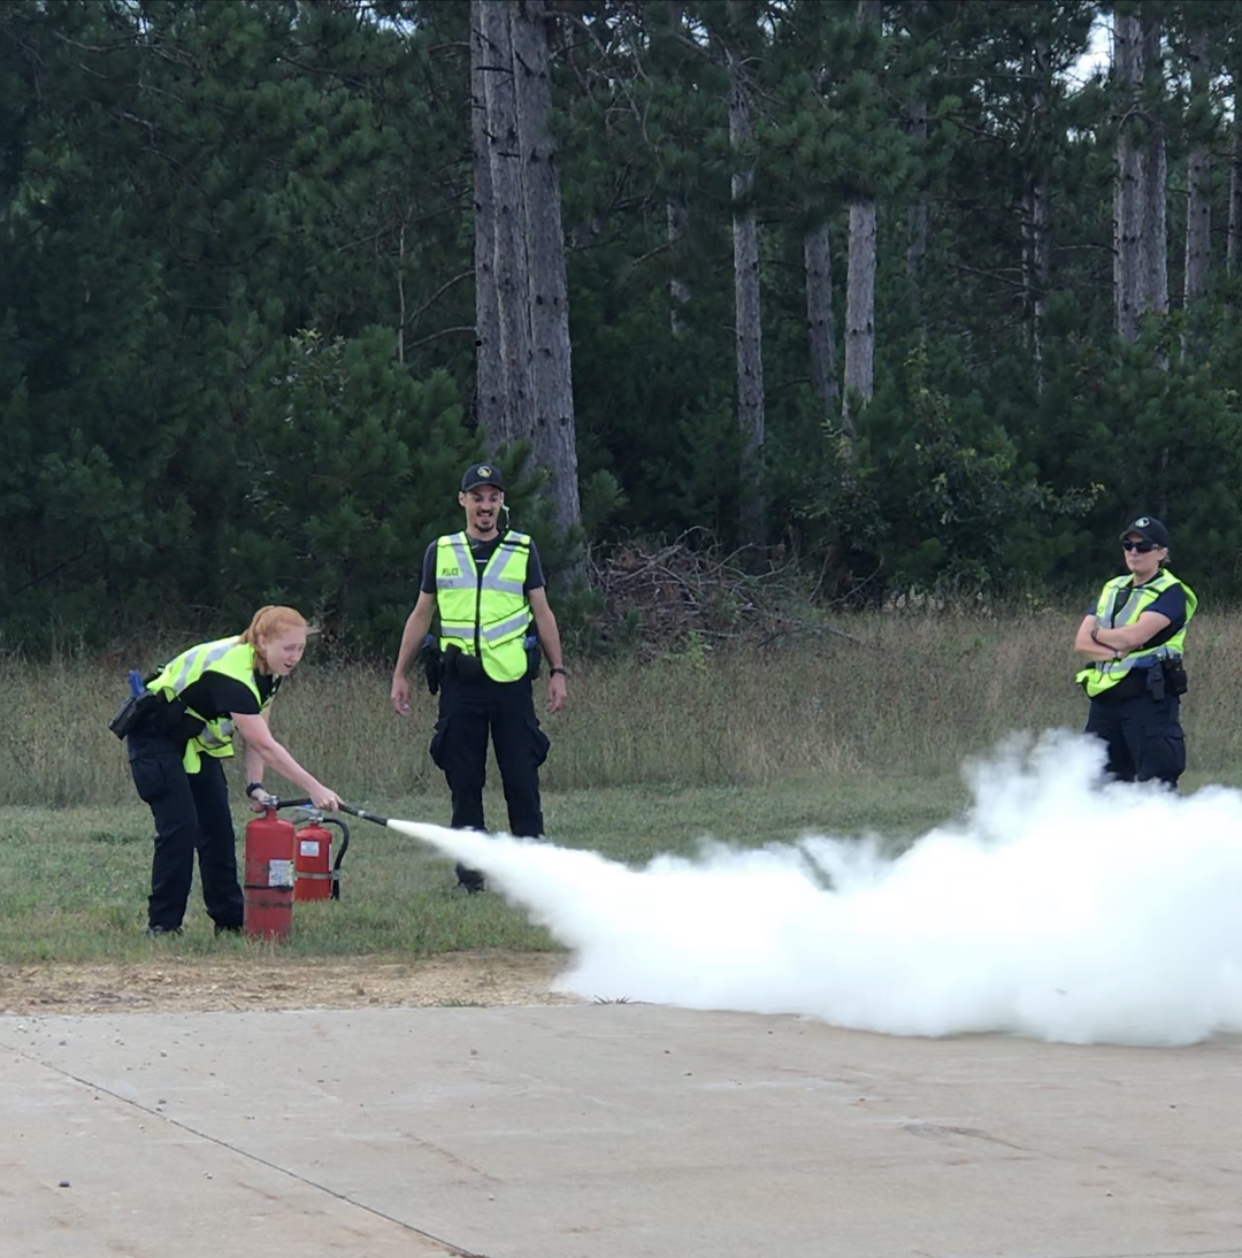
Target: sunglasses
x=1143 y=548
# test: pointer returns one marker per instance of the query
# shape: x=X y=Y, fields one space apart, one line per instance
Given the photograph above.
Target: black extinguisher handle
x=292 y=803
x=340 y=855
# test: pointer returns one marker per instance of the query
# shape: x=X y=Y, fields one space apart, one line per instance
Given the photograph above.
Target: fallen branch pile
x=672 y=593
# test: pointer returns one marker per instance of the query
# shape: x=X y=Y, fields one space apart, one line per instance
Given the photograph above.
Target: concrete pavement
x=603 y=1131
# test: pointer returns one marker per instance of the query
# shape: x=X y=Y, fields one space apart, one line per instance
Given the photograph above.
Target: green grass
x=73 y=881
x=903 y=694
x=854 y=735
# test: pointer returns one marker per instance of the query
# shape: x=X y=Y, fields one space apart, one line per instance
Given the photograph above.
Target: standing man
x=1134 y=640
x=488 y=588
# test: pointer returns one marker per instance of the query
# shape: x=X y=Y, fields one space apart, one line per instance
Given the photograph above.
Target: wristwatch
x=251 y=787
x=552 y=672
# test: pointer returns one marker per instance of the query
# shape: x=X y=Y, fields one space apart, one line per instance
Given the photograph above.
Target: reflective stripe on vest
x=485 y=613
x=1121 y=603
x=229 y=656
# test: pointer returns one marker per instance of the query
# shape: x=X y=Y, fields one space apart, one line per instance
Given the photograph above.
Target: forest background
x=895 y=301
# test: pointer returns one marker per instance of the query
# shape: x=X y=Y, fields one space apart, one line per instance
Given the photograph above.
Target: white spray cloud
x=1055 y=907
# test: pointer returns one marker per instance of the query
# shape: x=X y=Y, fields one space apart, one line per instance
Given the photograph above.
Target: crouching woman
x=176 y=752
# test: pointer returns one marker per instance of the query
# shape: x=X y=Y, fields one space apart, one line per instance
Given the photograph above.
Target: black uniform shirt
x=214 y=695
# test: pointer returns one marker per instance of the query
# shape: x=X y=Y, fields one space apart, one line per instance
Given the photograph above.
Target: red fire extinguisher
x=269 y=876
x=317 y=878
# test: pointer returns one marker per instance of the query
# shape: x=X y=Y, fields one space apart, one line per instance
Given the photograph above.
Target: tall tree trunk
x=676 y=213
x=821 y=331
x=859 y=314
x=860 y=290
x=1154 y=251
x=548 y=297
x=1198 y=194
x=1127 y=195
x=1037 y=219
x=509 y=261
x=916 y=248
x=1234 y=254
x=1036 y=264
x=490 y=411
x=748 y=334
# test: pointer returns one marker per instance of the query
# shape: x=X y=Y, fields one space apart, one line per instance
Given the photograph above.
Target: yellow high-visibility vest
x=485 y=612
x=230 y=656
x=1121 y=603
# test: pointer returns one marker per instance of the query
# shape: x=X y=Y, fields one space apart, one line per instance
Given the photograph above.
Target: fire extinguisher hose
x=340 y=855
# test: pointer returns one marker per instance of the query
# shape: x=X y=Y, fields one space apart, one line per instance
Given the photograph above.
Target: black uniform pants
x=1144 y=737
x=191 y=812
x=469 y=711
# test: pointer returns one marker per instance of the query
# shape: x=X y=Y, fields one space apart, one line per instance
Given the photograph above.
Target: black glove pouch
x=456 y=663
x=469 y=667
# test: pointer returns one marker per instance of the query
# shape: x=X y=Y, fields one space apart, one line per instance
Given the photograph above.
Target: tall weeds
x=912 y=694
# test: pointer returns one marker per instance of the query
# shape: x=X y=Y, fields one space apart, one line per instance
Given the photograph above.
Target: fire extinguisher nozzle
x=366 y=816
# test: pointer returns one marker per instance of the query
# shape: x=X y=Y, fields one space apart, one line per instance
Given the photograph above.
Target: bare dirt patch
x=207 y=984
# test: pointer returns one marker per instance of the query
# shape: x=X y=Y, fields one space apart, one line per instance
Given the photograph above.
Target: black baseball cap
x=482 y=474
x=1149 y=529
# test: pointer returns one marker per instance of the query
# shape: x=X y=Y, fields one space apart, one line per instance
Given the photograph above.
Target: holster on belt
x=1175 y=682
x=431 y=662
x=134 y=712
x=1155 y=681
